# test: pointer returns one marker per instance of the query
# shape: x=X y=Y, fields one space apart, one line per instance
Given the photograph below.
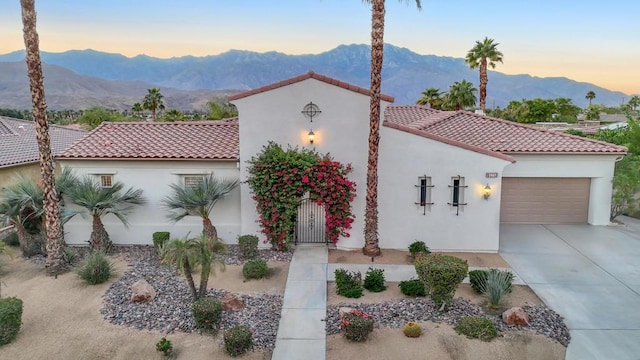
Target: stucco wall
x=599 y=168
x=154 y=177
x=342 y=130
x=31 y=170
x=403 y=159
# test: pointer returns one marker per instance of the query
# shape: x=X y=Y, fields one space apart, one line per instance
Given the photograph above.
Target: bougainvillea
x=280 y=178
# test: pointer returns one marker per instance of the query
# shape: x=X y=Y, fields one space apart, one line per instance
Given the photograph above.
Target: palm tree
x=53 y=225
x=371 y=243
x=173 y=115
x=461 y=95
x=590 y=96
x=137 y=109
x=484 y=53
x=431 y=96
x=198 y=200
x=153 y=102
x=634 y=102
x=187 y=254
x=99 y=201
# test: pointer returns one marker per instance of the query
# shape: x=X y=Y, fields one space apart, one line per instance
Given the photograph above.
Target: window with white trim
x=457 y=192
x=424 y=193
x=106 y=180
x=191 y=181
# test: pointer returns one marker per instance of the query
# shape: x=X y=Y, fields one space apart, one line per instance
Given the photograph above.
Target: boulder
x=142 y=291
x=231 y=302
x=515 y=316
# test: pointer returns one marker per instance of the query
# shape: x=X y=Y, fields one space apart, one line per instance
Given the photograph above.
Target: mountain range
x=82 y=78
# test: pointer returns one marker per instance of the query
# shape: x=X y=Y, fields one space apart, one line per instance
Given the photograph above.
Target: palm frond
x=197 y=200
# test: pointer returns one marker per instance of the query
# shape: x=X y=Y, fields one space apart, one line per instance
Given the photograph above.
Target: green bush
x=348 y=284
x=477 y=328
x=441 y=275
x=164 y=346
x=160 y=238
x=412 y=287
x=207 y=313
x=255 y=269
x=238 y=340
x=97 y=268
x=12 y=239
x=69 y=256
x=496 y=286
x=478 y=279
x=10 y=319
x=248 y=245
x=417 y=247
x=356 y=325
x=374 y=280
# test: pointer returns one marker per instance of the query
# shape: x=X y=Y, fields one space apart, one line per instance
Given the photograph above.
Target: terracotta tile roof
x=193 y=140
x=18 y=144
x=491 y=134
x=309 y=75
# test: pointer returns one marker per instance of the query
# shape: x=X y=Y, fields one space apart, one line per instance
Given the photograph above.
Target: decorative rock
x=515 y=316
x=231 y=302
x=142 y=291
x=344 y=310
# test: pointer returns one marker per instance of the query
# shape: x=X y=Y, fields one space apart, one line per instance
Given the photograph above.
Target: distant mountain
x=405 y=75
x=65 y=89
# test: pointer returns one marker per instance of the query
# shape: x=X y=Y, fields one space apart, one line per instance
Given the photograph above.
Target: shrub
x=165 y=347
x=97 y=268
x=207 y=313
x=441 y=274
x=255 y=269
x=10 y=319
x=348 y=284
x=160 y=238
x=478 y=279
x=496 y=286
x=476 y=327
x=12 y=239
x=374 y=280
x=248 y=245
x=418 y=247
x=238 y=340
x=412 y=330
x=412 y=287
x=69 y=256
x=356 y=325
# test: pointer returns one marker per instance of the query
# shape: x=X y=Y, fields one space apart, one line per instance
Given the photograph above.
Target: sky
x=591 y=41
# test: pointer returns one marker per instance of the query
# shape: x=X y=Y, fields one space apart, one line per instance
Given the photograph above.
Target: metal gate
x=310 y=223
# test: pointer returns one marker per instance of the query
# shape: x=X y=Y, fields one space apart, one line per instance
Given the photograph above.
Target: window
x=424 y=193
x=192 y=181
x=457 y=192
x=106 y=181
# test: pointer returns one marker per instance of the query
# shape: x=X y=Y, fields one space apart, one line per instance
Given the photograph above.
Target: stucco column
x=600 y=201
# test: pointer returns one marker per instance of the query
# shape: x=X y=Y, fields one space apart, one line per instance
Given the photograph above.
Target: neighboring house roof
x=309 y=75
x=493 y=136
x=193 y=140
x=18 y=144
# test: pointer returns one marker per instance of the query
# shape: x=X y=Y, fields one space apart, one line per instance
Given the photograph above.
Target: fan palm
x=99 y=201
x=198 y=200
x=371 y=242
x=153 y=102
x=590 y=96
x=484 y=53
x=188 y=254
x=461 y=95
x=431 y=96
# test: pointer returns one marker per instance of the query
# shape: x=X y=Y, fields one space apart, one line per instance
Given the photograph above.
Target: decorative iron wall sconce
x=486 y=192
x=312 y=136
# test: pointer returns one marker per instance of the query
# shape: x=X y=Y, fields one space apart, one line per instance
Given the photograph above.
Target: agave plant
x=99 y=201
x=497 y=286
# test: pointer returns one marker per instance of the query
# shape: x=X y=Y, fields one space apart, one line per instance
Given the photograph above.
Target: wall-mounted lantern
x=486 y=192
x=312 y=136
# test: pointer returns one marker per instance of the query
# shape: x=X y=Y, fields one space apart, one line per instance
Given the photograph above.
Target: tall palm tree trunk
x=484 y=79
x=53 y=226
x=99 y=239
x=371 y=247
x=208 y=229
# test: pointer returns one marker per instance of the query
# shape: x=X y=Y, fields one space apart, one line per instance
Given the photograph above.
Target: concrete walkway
x=588 y=274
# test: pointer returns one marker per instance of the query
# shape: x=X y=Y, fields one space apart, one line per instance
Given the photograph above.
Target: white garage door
x=545 y=200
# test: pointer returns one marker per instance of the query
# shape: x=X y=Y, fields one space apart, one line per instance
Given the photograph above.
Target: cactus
x=412 y=329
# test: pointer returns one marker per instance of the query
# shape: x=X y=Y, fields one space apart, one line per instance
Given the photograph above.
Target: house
x=448 y=178
x=19 y=152
x=151 y=156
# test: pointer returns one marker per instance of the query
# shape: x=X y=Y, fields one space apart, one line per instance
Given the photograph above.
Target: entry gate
x=310 y=223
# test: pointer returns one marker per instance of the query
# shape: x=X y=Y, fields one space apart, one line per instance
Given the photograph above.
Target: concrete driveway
x=588 y=274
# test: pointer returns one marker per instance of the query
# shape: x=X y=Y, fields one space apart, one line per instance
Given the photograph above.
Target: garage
x=545 y=200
